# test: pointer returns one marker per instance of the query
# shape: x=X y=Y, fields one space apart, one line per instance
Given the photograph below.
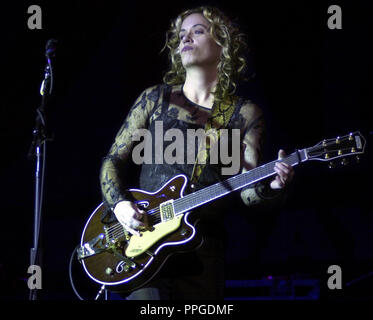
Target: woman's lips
x=187 y=48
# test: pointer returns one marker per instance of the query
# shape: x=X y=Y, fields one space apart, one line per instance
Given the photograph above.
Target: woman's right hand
x=129 y=215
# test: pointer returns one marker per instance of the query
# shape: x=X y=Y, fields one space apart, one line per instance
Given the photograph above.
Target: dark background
x=312 y=82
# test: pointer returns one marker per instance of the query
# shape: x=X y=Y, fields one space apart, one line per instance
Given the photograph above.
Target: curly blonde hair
x=226 y=35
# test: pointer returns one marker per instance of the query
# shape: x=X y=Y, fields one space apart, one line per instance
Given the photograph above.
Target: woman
x=206 y=54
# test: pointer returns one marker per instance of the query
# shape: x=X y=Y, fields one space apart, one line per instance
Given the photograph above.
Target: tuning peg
x=344 y=161
x=331 y=165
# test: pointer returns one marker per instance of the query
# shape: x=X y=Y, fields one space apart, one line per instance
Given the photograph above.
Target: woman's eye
x=182 y=36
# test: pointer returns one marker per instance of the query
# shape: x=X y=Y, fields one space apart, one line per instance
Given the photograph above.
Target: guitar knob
x=109 y=271
x=344 y=161
x=331 y=165
x=357 y=159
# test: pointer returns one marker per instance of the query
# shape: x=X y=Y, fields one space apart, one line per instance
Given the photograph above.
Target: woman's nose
x=187 y=38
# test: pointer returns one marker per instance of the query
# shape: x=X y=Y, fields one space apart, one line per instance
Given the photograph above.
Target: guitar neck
x=222 y=188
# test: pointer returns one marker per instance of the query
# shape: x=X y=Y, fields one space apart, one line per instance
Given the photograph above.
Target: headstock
x=328 y=150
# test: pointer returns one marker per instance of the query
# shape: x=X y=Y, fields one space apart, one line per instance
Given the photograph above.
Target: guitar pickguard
x=138 y=244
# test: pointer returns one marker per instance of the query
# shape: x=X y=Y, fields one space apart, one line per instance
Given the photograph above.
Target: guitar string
x=220 y=188
x=115 y=226
x=196 y=197
x=236 y=182
x=117 y=229
x=113 y=230
x=256 y=173
x=216 y=190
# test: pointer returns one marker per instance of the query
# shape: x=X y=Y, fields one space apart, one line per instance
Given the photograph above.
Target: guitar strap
x=219 y=119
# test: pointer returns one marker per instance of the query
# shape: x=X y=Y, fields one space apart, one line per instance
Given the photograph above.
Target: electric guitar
x=124 y=261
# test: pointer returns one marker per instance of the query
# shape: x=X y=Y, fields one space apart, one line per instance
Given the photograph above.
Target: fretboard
x=220 y=189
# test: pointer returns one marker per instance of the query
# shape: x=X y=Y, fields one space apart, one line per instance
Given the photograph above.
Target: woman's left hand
x=285 y=173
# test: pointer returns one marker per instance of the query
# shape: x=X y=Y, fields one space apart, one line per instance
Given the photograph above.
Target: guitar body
x=113 y=257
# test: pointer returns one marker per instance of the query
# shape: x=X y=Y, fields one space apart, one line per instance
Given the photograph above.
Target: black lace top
x=167 y=105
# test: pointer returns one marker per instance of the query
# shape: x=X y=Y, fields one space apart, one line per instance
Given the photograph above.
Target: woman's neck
x=199 y=85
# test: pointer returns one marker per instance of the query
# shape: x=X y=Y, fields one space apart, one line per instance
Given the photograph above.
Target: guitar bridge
x=91 y=248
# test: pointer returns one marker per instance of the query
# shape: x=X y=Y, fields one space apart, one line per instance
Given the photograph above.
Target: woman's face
x=197 y=47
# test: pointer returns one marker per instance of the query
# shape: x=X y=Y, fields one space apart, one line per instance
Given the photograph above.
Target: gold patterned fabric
x=219 y=118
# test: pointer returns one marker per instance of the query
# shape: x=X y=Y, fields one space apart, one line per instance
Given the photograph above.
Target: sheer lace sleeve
x=253 y=141
x=112 y=186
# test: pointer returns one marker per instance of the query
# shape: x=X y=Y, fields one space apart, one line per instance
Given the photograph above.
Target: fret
x=234 y=183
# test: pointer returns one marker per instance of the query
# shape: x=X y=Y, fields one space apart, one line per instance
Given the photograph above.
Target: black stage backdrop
x=312 y=82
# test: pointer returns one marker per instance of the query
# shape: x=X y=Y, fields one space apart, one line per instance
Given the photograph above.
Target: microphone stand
x=37 y=152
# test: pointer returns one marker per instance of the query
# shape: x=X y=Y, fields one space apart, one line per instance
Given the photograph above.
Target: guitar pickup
x=167 y=210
